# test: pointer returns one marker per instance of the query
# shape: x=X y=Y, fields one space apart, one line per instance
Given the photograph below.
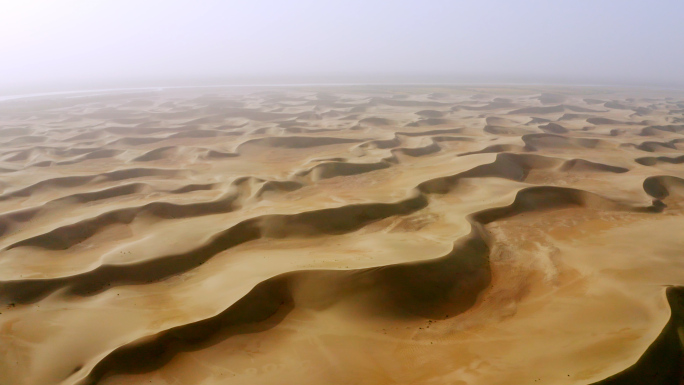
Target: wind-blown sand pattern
x=343 y=235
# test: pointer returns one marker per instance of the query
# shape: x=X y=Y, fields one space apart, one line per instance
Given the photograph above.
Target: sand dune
x=426 y=289
x=551 y=98
x=554 y=128
x=297 y=141
x=604 y=121
x=335 y=169
x=430 y=113
x=662 y=361
x=653 y=130
x=537 y=141
x=432 y=132
x=342 y=235
x=551 y=110
x=652 y=161
x=429 y=122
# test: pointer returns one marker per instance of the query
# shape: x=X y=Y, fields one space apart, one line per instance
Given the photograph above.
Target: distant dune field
x=343 y=235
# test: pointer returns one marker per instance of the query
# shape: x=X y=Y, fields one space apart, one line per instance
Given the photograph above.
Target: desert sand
x=343 y=235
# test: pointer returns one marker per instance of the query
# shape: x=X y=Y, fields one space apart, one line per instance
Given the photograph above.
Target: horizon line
x=8 y=97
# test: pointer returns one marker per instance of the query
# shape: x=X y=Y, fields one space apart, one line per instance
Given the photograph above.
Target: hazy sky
x=69 y=44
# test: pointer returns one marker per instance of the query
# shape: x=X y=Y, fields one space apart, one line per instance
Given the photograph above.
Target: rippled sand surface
x=343 y=235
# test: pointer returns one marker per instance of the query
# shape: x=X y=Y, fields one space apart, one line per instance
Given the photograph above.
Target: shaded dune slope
x=75 y=181
x=663 y=361
x=434 y=289
x=326 y=221
x=509 y=166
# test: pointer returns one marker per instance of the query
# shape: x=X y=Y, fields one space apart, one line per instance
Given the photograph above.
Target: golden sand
x=343 y=235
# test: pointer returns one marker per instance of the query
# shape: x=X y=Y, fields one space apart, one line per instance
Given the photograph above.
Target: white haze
x=68 y=44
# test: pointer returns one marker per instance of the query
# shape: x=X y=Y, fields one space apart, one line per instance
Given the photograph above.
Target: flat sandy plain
x=343 y=235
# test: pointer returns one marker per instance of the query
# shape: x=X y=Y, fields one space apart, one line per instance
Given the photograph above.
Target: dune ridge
x=662 y=362
x=447 y=285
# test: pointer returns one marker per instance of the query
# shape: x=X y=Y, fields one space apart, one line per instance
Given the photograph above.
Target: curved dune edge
x=325 y=221
x=663 y=362
x=433 y=289
x=422 y=289
x=74 y=181
x=535 y=141
x=346 y=218
x=64 y=237
x=24 y=215
x=662 y=186
x=652 y=161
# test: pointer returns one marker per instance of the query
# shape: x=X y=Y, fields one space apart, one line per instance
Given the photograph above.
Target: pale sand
x=343 y=235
